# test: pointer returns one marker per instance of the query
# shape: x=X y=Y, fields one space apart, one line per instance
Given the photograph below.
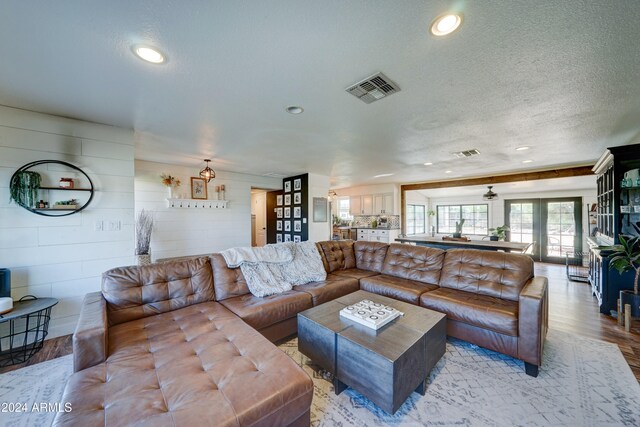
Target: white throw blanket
x=276 y=268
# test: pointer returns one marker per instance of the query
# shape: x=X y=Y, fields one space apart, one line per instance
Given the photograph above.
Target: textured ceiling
x=560 y=76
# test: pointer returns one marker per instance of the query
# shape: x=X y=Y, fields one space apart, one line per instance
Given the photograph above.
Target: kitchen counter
x=377 y=228
x=437 y=242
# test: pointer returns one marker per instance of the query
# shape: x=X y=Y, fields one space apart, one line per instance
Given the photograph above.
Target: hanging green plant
x=24 y=188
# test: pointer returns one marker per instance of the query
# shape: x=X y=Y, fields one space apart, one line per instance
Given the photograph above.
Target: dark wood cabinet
x=616 y=214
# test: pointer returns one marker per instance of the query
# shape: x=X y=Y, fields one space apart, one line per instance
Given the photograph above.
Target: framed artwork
x=278 y=225
x=297 y=198
x=296 y=239
x=279 y=212
x=297 y=184
x=287 y=226
x=297 y=212
x=287 y=237
x=320 y=208
x=287 y=186
x=198 y=188
x=278 y=238
x=287 y=212
x=287 y=199
x=297 y=226
x=279 y=200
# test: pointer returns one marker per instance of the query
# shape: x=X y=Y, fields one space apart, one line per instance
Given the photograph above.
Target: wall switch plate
x=304 y=220
x=98 y=226
x=113 y=225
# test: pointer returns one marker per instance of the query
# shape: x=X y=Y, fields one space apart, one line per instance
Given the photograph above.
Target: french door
x=552 y=226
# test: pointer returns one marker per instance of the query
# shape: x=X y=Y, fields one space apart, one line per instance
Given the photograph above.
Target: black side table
x=23 y=330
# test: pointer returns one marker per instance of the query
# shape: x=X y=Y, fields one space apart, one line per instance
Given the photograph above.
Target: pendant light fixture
x=332 y=195
x=490 y=195
x=207 y=173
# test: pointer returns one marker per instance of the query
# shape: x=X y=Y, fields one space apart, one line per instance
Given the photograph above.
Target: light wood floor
x=572 y=308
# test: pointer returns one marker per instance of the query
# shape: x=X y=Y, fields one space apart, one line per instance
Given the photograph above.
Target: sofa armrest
x=91 y=334
x=533 y=320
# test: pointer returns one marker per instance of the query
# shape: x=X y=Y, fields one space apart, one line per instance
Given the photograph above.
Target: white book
x=371 y=314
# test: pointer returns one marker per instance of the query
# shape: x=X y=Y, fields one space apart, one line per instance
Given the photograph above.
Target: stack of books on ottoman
x=371 y=314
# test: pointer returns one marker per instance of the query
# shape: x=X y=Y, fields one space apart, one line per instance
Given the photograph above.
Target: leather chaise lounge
x=186 y=343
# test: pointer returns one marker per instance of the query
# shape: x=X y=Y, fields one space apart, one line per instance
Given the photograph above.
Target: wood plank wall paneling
x=572 y=309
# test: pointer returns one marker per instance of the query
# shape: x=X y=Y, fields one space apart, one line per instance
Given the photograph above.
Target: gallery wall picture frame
x=287 y=186
x=287 y=237
x=297 y=198
x=297 y=212
x=287 y=212
x=297 y=184
x=320 y=208
x=287 y=226
x=297 y=226
x=279 y=200
x=278 y=212
x=287 y=199
x=278 y=238
x=297 y=238
x=198 y=188
x=278 y=225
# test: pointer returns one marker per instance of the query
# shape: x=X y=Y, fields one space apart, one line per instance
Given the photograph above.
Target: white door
x=260 y=211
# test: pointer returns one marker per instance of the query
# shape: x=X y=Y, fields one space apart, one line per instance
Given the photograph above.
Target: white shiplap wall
x=181 y=232
x=64 y=257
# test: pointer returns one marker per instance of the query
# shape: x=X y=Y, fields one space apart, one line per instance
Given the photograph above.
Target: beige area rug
x=583 y=382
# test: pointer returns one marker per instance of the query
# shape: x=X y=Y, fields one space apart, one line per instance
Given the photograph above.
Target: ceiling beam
x=485 y=180
x=499 y=179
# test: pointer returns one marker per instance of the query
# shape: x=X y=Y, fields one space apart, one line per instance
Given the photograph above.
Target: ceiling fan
x=490 y=195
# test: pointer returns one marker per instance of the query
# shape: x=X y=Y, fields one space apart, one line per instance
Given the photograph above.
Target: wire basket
x=577 y=264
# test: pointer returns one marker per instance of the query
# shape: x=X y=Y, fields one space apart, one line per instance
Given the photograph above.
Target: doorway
x=552 y=226
x=258 y=217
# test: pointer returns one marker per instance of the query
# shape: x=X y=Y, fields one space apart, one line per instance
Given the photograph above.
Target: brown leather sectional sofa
x=186 y=343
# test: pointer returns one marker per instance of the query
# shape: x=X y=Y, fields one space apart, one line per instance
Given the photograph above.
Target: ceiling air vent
x=466 y=153
x=373 y=88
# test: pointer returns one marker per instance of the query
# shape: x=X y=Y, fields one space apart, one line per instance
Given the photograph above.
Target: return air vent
x=373 y=88
x=466 y=153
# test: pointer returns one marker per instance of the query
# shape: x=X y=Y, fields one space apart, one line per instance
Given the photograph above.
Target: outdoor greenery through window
x=343 y=209
x=476 y=218
x=415 y=219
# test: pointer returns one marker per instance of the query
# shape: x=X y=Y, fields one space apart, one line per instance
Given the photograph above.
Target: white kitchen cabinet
x=377 y=235
x=361 y=205
x=383 y=204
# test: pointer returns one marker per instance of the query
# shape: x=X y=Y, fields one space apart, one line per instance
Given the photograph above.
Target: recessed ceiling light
x=294 y=109
x=445 y=24
x=527 y=161
x=149 y=54
x=448 y=171
x=428 y=164
x=523 y=148
x=383 y=175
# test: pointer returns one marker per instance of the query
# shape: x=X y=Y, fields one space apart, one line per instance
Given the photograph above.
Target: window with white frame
x=476 y=218
x=415 y=219
x=343 y=209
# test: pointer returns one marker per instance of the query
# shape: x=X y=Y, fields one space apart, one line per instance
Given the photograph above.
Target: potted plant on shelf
x=499 y=233
x=144 y=227
x=458 y=233
x=24 y=188
x=171 y=182
x=626 y=257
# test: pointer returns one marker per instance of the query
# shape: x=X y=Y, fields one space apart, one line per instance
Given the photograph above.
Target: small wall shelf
x=197 y=204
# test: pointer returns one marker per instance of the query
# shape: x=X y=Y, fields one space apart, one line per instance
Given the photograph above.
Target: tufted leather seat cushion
x=496 y=274
x=263 y=312
x=356 y=273
x=337 y=255
x=395 y=287
x=199 y=365
x=227 y=282
x=140 y=291
x=484 y=311
x=419 y=263
x=370 y=255
x=334 y=287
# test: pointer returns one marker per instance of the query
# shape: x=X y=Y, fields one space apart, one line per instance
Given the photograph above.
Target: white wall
x=180 y=232
x=318 y=187
x=64 y=257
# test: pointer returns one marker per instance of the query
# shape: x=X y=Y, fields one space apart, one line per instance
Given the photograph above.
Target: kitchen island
x=487 y=245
